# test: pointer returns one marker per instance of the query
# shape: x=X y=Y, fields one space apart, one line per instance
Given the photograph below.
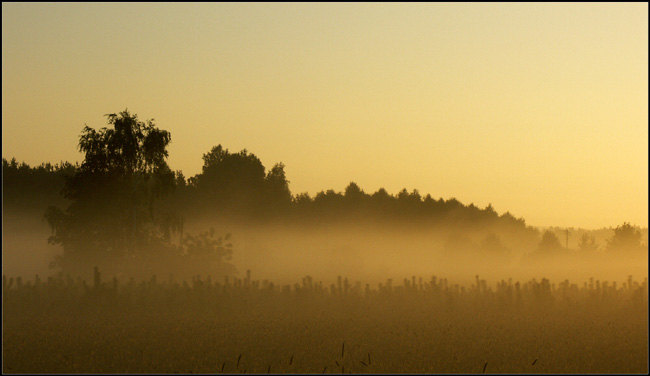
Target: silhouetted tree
x=626 y=238
x=231 y=183
x=587 y=243
x=382 y=203
x=550 y=244
x=113 y=192
x=277 y=188
x=489 y=212
x=329 y=204
x=409 y=204
x=33 y=189
x=355 y=200
x=180 y=179
x=302 y=207
x=548 y=247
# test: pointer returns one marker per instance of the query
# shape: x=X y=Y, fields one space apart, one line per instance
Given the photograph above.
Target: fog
x=25 y=251
x=370 y=253
x=373 y=254
x=384 y=296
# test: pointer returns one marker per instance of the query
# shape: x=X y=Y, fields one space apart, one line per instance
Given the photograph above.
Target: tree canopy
x=112 y=193
x=626 y=238
x=112 y=217
x=237 y=183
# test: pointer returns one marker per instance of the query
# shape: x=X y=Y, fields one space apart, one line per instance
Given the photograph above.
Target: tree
x=549 y=245
x=353 y=192
x=277 y=187
x=549 y=241
x=626 y=238
x=382 y=203
x=588 y=243
x=234 y=183
x=409 y=204
x=355 y=199
x=328 y=205
x=33 y=189
x=302 y=206
x=112 y=194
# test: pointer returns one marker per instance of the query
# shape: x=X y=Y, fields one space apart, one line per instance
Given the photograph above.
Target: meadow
x=241 y=325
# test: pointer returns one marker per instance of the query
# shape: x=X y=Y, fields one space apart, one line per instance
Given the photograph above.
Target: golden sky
x=539 y=109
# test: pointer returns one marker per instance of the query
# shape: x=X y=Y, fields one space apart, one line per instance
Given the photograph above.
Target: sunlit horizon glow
x=538 y=109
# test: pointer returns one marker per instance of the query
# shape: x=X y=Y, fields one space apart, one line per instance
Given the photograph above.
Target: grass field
x=63 y=326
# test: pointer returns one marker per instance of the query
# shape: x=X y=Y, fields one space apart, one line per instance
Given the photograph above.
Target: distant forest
x=124 y=200
x=237 y=186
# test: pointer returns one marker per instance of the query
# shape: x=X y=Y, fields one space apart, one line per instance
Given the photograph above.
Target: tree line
x=123 y=202
x=232 y=185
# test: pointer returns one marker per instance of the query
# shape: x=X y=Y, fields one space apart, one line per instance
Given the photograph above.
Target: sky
x=540 y=109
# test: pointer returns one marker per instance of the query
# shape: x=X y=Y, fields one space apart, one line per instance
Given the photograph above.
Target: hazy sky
x=539 y=109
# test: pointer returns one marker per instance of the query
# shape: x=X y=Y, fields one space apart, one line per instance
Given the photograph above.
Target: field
x=245 y=326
